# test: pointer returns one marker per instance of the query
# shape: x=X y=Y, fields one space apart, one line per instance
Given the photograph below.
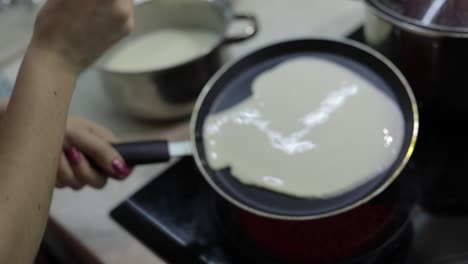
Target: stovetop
x=174 y=217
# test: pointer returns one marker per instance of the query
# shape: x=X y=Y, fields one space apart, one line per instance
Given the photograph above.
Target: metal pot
x=428 y=40
x=170 y=93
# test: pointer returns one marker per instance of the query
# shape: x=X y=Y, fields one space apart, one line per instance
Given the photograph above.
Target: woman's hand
x=78 y=32
x=88 y=157
x=72 y=34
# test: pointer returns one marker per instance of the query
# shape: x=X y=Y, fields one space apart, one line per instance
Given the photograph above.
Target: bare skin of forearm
x=34 y=122
x=3 y=105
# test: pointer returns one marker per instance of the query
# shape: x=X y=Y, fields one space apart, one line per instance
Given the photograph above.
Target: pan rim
x=371 y=52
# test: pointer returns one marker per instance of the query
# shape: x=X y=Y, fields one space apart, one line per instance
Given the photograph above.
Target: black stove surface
x=174 y=216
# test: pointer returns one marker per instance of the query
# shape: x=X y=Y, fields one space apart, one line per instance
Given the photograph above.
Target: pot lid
x=445 y=15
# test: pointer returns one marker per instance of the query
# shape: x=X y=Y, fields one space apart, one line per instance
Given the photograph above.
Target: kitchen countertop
x=86 y=213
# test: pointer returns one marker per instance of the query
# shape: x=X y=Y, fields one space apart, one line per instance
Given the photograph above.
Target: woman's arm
x=85 y=140
x=69 y=35
x=31 y=136
x=3 y=106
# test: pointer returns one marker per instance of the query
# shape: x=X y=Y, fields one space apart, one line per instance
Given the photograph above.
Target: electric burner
x=180 y=217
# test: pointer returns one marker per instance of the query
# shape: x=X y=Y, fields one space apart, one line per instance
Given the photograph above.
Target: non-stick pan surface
x=233 y=84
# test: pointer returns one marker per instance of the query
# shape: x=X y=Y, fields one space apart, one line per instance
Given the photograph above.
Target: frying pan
x=232 y=84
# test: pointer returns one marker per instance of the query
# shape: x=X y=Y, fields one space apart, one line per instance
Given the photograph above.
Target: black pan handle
x=144 y=152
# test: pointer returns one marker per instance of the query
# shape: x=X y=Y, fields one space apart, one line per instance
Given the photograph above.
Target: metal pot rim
x=227 y=15
x=414 y=26
x=162 y=69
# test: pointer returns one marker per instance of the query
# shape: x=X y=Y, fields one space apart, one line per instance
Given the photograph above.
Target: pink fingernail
x=73 y=155
x=121 y=168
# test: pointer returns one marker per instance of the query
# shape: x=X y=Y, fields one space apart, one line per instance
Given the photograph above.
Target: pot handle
x=248 y=32
x=156 y=151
